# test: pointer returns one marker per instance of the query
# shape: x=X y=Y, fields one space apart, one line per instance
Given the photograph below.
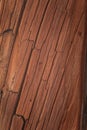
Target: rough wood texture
x=42 y=59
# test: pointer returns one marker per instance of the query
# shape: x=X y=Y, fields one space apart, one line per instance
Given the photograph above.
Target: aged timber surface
x=42 y=60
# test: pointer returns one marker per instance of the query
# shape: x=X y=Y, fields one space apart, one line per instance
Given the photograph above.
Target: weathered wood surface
x=42 y=57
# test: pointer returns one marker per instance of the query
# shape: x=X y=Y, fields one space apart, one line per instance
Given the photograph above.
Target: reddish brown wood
x=17 y=123
x=42 y=57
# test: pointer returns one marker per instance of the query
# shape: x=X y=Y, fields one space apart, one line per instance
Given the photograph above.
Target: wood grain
x=42 y=64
